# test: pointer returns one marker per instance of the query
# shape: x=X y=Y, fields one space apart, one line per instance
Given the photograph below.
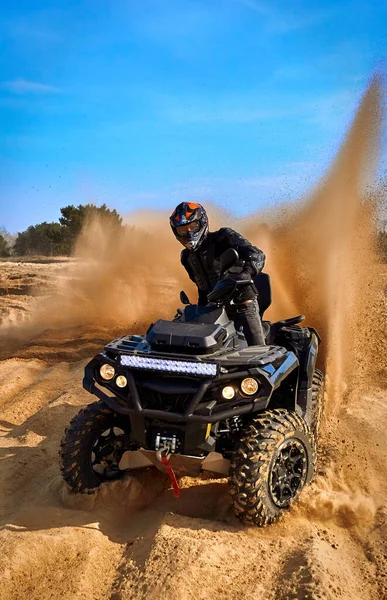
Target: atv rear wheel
x=275 y=458
x=317 y=407
x=92 y=447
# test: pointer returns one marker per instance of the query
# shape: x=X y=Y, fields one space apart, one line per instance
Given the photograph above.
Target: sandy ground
x=133 y=539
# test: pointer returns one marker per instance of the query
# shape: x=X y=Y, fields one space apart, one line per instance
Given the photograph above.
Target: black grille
x=168 y=402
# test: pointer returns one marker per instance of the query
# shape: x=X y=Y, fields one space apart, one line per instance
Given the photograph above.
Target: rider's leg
x=247 y=316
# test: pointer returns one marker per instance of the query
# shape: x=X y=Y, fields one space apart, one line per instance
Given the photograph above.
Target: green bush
x=5 y=249
x=58 y=239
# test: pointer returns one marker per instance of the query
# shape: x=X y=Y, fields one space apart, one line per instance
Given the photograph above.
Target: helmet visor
x=185 y=230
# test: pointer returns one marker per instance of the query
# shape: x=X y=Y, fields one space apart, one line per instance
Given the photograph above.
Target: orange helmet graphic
x=189 y=223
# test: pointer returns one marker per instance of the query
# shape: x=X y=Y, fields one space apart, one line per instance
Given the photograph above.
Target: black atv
x=192 y=391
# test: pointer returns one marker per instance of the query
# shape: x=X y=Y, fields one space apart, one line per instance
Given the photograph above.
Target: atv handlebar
x=225 y=289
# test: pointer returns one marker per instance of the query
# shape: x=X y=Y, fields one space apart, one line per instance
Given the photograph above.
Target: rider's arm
x=253 y=257
x=202 y=295
x=185 y=263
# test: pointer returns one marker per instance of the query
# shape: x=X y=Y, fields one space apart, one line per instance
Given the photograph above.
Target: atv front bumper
x=203 y=405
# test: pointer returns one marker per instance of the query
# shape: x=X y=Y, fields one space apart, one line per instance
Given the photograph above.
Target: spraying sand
x=133 y=540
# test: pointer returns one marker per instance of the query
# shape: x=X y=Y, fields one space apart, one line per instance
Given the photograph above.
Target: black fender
x=283 y=379
x=307 y=367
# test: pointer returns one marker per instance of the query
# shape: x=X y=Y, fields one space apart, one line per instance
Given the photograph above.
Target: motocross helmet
x=189 y=223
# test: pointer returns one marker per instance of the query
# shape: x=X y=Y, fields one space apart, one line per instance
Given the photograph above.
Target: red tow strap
x=171 y=475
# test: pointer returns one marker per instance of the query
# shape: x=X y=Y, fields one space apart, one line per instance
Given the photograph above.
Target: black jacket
x=203 y=265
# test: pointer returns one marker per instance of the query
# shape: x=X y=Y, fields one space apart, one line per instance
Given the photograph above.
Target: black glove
x=178 y=315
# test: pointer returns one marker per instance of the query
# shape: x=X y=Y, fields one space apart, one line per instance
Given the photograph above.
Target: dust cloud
x=320 y=256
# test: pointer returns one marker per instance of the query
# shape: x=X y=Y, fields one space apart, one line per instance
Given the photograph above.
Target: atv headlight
x=121 y=381
x=107 y=372
x=228 y=392
x=249 y=386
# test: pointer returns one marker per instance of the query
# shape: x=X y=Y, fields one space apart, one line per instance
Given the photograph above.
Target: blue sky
x=145 y=103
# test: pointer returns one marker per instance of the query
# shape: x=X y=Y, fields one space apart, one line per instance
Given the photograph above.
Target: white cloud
x=24 y=86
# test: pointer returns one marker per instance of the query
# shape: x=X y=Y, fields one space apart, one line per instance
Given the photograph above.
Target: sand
x=133 y=540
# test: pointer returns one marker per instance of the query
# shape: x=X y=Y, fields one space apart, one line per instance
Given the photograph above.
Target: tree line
x=57 y=238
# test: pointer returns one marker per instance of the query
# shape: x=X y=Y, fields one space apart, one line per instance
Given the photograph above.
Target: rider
x=189 y=223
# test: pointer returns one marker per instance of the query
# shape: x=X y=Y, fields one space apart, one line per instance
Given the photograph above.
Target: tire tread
x=250 y=464
x=77 y=443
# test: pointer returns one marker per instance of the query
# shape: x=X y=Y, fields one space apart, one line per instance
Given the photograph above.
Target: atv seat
x=270 y=330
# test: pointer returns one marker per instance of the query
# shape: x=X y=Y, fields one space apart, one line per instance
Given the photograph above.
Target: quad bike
x=190 y=395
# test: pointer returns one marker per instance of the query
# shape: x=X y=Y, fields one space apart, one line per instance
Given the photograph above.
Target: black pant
x=247 y=317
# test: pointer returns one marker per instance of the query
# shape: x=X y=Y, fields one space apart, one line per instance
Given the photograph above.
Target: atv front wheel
x=275 y=458
x=92 y=447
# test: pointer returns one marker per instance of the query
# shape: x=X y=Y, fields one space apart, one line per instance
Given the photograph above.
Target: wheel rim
x=107 y=452
x=289 y=471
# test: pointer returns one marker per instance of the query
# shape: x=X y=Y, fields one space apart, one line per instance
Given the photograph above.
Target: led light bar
x=171 y=366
